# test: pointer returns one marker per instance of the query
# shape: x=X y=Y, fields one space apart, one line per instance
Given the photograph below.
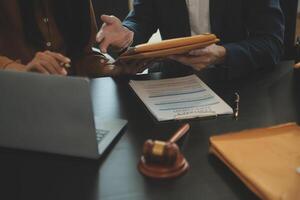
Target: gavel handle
x=181 y=131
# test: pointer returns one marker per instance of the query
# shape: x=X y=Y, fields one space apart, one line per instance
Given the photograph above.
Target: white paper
x=179 y=98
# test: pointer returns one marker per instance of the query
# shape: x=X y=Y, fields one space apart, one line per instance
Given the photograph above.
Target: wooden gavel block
x=164 y=153
x=164 y=159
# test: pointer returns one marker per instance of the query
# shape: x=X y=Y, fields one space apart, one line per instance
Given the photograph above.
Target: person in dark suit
x=251 y=32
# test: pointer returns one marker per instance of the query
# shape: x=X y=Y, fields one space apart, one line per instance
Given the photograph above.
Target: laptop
x=52 y=114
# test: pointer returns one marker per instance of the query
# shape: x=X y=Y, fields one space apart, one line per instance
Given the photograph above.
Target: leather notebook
x=169 y=47
x=267 y=160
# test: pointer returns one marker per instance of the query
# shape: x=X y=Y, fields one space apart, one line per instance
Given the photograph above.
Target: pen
x=237 y=102
x=65 y=65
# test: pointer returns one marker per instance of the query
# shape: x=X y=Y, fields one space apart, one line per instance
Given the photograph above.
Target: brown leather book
x=169 y=47
x=267 y=160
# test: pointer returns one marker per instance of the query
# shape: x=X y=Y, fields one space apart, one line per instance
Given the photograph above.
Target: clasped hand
x=201 y=58
x=48 y=62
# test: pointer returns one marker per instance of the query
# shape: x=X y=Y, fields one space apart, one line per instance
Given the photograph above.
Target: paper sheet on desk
x=179 y=98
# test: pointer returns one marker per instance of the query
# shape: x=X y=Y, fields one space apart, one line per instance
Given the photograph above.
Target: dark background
x=119 y=8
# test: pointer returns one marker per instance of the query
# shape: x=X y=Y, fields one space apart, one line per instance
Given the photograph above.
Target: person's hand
x=297 y=65
x=121 y=67
x=201 y=58
x=131 y=67
x=98 y=66
x=48 y=63
x=113 y=33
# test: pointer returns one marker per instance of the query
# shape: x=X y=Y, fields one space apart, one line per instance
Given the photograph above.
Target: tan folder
x=169 y=47
x=265 y=159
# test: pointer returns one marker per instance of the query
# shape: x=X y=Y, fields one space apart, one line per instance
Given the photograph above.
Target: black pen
x=237 y=102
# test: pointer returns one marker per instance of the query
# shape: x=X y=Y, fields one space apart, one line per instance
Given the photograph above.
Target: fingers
x=42 y=60
x=199 y=66
x=51 y=64
x=110 y=19
x=59 y=57
x=113 y=33
x=104 y=44
x=192 y=59
x=100 y=35
x=39 y=68
x=297 y=65
x=48 y=63
x=199 y=52
x=52 y=69
x=212 y=54
x=107 y=22
x=196 y=62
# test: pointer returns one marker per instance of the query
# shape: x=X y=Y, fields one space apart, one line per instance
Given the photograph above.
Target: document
x=168 y=47
x=179 y=98
x=265 y=159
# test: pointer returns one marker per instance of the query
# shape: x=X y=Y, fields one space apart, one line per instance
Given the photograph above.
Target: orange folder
x=267 y=160
x=169 y=47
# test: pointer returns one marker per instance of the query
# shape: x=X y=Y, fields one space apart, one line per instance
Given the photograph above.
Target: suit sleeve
x=264 y=44
x=142 y=20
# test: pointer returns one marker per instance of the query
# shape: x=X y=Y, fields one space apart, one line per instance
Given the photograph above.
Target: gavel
x=164 y=153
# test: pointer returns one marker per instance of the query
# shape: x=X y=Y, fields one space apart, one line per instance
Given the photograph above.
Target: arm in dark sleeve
x=264 y=46
x=142 y=21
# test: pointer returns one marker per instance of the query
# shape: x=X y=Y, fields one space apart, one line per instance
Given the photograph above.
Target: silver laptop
x=52 y=114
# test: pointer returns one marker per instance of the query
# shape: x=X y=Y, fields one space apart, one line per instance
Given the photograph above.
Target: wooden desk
x=266 y=101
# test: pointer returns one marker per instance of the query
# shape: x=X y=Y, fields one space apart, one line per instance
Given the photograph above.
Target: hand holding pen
x=48 y=62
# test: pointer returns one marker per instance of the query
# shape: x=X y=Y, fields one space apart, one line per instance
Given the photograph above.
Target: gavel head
x=159 y=152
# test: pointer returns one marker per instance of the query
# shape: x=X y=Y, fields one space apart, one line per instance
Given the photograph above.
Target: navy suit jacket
x=252 y=31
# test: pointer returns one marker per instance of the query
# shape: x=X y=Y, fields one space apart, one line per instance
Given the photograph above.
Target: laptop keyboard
x=100 y=134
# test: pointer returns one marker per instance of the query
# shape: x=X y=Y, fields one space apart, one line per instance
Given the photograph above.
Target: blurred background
x=298 y=21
